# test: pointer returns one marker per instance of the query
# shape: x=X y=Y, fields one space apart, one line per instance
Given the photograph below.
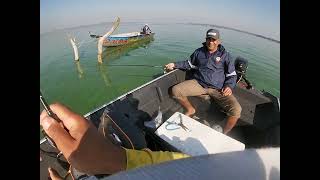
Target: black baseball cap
x=213 y=33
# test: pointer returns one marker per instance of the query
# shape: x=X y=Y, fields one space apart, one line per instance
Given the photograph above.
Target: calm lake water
x=86 y=85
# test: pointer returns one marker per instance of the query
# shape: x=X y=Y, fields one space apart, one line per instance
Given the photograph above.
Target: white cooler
x=198 y=139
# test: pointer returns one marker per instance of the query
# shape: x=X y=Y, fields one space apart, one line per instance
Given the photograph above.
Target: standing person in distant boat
x=146 y=29
x=213 y=74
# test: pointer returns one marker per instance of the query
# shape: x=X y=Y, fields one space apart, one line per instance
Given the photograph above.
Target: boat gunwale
x=135 y=38
x=128 y=35
x=146 y=84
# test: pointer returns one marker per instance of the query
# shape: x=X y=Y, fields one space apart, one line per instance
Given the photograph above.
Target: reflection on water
x=104 y=74
x=79 y=69
x=101 y=69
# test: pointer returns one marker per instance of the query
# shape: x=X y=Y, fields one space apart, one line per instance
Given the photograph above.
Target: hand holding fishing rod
x=47 y=108
x=51 y=114
x=82 y=145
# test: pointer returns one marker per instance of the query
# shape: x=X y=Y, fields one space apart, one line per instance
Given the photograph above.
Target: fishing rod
x=127 y=65
x=138 y=65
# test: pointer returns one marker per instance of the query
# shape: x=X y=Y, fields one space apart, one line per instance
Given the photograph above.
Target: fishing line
x=135 y=65
x=127 y=65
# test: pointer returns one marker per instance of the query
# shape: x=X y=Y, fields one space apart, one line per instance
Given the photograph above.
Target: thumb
x=54 y=174
x=58 y=134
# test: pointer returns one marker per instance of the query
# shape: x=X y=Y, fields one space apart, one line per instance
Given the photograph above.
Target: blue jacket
x=216 y=70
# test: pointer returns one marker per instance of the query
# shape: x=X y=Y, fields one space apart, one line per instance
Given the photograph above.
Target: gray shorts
x=192 y=88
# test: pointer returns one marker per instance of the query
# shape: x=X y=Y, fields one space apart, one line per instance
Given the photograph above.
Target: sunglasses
x=210 y=39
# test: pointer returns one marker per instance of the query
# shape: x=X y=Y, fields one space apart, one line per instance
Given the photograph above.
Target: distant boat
x=94 y=35
x=126 y=38
x=115 y=52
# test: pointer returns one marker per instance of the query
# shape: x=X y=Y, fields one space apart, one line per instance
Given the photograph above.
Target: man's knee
x=235 y=110
x=176 y=92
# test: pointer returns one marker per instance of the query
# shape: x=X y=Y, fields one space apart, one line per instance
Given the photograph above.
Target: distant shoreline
x=234 y=29
x=212 y=25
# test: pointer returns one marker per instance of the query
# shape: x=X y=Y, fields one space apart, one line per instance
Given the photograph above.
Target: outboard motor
x=241 y=66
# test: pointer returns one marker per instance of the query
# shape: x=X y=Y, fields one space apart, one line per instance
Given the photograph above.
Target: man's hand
x=226 y=91
x=84 y=148
x=169 y=66
x=54 y=175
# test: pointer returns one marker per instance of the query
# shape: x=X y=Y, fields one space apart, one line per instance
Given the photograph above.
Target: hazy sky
x=257 y=16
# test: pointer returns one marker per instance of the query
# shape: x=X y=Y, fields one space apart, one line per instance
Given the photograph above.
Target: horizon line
x=189 y=23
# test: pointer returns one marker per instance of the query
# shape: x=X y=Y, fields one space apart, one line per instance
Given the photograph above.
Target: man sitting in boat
x=213 y=74
x=89 y=152
x=146 y=29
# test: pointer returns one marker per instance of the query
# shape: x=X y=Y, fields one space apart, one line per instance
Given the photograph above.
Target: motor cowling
x=241 y=66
